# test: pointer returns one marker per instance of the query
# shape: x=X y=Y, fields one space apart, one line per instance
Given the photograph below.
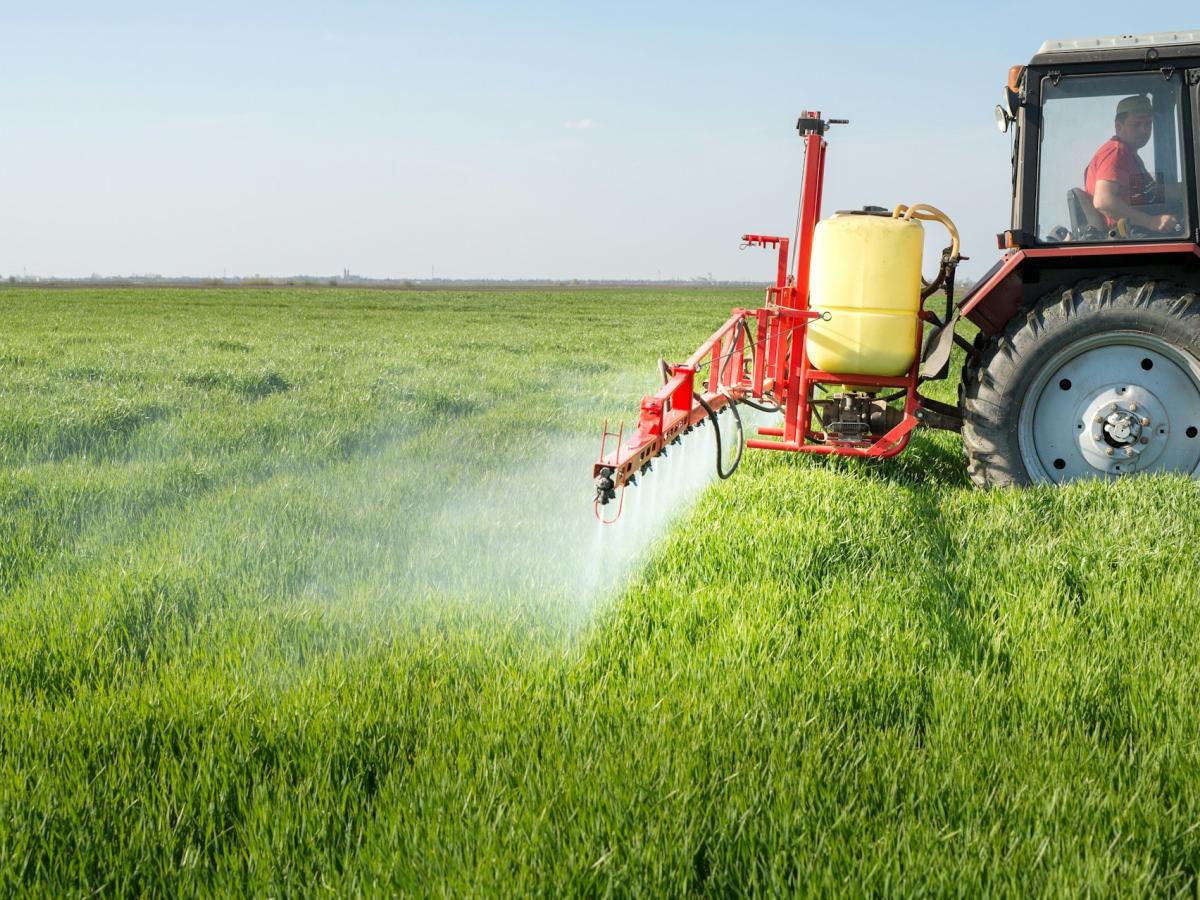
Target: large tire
x=1100 y=379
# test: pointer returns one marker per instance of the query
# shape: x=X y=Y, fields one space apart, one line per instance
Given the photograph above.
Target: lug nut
x=1099 y=420
x=1145 y=440
x=1109 y=451
x=1133 y=407
x=1113 y=407
x=1145 y=420
x=1129 y=451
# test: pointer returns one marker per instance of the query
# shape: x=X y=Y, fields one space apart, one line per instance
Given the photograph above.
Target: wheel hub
x=1118 y=425
x=1122 y=428
x=1112 y=405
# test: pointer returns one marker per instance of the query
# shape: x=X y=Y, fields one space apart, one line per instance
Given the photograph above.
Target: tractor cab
x=1127 y=108
x=1087 y=361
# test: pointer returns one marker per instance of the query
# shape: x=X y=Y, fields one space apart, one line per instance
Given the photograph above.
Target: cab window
x=1110 y=159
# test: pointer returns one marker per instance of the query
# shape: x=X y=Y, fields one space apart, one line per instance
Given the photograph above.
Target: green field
x=299 y=594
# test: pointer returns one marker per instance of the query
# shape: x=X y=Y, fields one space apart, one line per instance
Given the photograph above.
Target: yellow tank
x=866 y=273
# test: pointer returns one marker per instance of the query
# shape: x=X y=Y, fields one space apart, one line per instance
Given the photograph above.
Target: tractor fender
x=1020 y=274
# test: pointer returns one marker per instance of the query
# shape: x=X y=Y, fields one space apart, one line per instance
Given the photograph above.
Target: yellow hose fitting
x=930 y=214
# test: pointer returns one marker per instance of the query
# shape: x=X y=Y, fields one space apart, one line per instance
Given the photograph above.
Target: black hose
x=760 y=407
x=712 y=415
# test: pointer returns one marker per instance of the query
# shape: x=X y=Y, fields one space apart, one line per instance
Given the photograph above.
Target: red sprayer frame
x=778 y=369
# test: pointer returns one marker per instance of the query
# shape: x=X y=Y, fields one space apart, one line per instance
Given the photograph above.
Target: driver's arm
x=1108 y=200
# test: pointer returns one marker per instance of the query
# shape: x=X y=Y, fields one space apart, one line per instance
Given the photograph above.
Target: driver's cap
x=1138 y=105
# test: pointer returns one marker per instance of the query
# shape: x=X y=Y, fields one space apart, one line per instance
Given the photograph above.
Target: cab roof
x=1165 y=44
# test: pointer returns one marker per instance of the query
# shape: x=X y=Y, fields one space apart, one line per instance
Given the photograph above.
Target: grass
x=295 y=600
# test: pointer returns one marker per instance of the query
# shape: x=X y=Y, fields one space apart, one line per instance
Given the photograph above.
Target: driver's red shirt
x=1116 y=161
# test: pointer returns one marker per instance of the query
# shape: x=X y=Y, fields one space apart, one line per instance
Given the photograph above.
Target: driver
x=1117 y=178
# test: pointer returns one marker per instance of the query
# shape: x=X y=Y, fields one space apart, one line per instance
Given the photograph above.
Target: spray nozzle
x=605 y=489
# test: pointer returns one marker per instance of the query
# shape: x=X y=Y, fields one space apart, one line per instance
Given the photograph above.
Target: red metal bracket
x=766 y=240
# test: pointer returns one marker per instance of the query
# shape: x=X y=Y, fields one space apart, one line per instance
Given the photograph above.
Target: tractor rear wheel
x=1097 y=380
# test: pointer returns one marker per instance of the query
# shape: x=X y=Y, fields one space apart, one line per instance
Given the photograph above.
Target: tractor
x=1086 y=363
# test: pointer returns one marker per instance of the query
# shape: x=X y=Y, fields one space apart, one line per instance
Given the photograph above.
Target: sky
x=495 y=140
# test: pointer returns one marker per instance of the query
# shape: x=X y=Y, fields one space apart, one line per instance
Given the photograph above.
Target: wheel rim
x=1112 y=405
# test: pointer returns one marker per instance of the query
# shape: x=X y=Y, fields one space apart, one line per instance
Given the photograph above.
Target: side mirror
x=1003 y=119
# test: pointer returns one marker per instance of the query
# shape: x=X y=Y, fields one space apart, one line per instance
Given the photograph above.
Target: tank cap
x=865 y=211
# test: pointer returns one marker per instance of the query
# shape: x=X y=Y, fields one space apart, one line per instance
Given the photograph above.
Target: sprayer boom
x=674 y=409
x=731 y=370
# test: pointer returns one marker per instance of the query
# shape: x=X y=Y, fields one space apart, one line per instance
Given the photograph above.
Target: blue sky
x=494 y=140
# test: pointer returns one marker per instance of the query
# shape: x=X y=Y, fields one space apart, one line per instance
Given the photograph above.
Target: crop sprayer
x=1087 y=359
